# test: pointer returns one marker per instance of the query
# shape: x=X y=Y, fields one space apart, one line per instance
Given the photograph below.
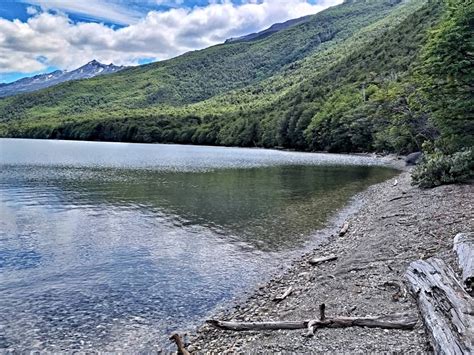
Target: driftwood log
x=396 y=321
x=446 y=308
x=317 y=261
x=464 y=248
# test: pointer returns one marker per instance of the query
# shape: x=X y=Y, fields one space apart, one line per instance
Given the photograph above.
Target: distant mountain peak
x=94 y=62
x=42 y=81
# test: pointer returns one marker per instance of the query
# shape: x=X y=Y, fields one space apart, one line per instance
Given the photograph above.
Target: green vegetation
x=446 y=77
x=378 y=75
x=439 y=168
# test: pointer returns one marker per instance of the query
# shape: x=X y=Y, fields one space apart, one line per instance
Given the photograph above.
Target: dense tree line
x=363 y=76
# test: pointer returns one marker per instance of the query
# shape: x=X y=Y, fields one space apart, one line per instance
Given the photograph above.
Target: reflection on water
x=112 y=246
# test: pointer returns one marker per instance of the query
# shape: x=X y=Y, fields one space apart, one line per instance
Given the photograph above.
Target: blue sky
x=44 y=35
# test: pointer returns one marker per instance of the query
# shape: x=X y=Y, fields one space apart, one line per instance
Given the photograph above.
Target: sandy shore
x=398 y=223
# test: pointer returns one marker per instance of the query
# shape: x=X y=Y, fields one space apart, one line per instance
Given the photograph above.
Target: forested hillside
x=378 y=75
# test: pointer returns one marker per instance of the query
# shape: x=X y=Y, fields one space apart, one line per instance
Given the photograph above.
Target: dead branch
x=311 y=330
x=399 y=198
x=396 y=321
x=397 y=215
x=284 y=295
x=317 y=261
x=179 y=344
x=322 y=312
x=344 y=229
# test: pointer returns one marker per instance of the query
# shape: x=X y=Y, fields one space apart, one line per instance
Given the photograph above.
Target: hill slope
x=269 y=31
x=350 y=78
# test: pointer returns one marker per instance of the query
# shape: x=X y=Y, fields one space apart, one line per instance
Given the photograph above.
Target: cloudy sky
x=43 y=35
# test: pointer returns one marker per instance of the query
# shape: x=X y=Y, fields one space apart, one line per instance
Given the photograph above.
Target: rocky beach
x=395 y=224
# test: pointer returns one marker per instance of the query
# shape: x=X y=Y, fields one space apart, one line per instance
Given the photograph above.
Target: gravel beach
x=397 y=223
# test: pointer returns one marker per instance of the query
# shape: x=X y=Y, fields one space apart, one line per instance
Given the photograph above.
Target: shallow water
x=107 y=246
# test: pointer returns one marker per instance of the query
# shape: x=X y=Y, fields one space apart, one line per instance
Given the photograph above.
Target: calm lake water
x=107 y=246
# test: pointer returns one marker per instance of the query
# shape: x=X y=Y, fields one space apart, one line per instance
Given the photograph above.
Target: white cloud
x=97 y=9
x=159 y=35
x=31 y=10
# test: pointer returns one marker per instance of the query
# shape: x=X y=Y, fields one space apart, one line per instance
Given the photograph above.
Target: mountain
x=42 y=81
x=269 y=31
x=379 y=75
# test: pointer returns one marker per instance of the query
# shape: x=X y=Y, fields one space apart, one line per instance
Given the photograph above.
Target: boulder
x=413 y=158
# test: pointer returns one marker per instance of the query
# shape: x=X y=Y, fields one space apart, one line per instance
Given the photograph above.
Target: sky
x=38 y=36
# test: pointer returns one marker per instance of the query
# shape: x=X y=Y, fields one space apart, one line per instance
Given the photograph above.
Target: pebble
x=370 y=237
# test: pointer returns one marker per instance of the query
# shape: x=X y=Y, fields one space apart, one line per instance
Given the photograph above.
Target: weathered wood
x=396 y=321
x=284 y=295
x=446 y=308
x=400 y=197
x=397 y=215
x=322 y=312
x=240 y=326
x=317 y=261
x=312 y=324
x=311 y=329
x=344 y=229
x=464 y=248
x=179 y=344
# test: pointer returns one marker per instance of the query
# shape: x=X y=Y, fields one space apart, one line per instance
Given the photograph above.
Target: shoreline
x=389 y=159
x=396 y=223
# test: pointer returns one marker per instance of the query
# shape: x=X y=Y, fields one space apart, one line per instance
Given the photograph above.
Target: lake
x=112 y=246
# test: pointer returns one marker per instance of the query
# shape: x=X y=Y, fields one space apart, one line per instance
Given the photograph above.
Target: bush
x=438 y=168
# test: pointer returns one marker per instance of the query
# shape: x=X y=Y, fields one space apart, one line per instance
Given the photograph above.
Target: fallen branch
x=445 y=306
x=344 y=229
x=464 y=248
x=311 y=329
x=312 y=324
x=285 y=294
x=179 y=344
x=317 y=261
x=397 y=215
x=240 y=326
x=396 y=321
x=399 y=198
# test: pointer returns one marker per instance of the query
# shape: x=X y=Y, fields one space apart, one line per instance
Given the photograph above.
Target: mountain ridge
x=45 y=80
x=276 y=27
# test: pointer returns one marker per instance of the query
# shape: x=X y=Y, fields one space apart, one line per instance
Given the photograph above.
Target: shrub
x=438 y=168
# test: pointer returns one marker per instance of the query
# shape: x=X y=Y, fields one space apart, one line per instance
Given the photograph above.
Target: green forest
x=385 y=76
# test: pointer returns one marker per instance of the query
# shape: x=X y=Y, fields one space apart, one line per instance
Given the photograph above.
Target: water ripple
x=109 y=247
